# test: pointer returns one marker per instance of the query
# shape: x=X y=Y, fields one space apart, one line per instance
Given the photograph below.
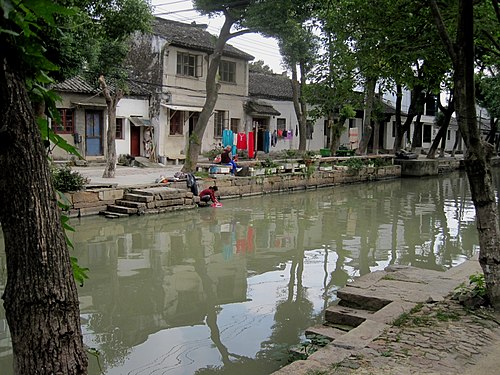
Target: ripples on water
x=228 y=290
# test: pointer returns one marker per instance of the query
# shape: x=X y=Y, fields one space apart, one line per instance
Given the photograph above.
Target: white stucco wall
x=128 y=107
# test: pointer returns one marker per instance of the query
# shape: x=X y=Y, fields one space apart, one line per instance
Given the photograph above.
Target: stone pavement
x=437 y=336
x=127 y=176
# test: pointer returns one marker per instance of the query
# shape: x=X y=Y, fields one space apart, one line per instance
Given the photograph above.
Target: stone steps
x=122 y=209
x=329 y=332
x=346 y=315
x=112 y=215
x=131 y=204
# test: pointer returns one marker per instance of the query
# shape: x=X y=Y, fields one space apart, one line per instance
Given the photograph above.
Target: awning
x=252 y=107
x=88 y=104
x=140 y=121
x=186 y=108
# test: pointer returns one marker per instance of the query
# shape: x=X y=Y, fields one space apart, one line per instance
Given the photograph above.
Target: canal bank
x=421 y=328
x=119 y=196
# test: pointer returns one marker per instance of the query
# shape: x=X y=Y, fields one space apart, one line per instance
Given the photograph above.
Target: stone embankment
x=403 y=321
x=119 y=201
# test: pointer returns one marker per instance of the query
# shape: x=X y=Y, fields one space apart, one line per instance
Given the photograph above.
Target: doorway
x=93 y=133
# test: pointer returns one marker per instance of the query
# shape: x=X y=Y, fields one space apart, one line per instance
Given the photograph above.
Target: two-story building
x=173 y=62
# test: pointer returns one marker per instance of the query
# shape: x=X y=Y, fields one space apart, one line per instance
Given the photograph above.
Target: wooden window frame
x=227 y=71
x=66 y=127
x=119 y=134
x=189 y=65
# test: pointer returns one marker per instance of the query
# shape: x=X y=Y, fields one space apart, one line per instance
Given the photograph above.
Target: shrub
x=65 y=180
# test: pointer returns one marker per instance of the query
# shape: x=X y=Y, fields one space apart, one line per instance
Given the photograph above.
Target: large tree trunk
x=477 y=159
x=416 y=141
x=111 y=102
x=212 y=93
x=299 y=105
x=444 y=123
x=415 y=103
x=40 y=298
x=367 y=120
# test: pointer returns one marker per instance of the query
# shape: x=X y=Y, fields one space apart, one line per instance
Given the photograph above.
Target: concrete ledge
x=418 y=167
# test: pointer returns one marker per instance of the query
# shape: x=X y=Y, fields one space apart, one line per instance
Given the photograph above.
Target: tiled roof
x=269 y=86
x=192 y=36
x=78 y=85
x=252 y=107
x=75 y=84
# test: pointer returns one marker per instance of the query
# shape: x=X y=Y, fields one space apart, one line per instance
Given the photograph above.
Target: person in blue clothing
x=227 y=158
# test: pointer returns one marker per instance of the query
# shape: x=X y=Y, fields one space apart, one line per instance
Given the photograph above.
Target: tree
x=234 y=14
x=477 y=159
x=260 y=66
x=40 y=298
x=286 y=20
x=113 y=23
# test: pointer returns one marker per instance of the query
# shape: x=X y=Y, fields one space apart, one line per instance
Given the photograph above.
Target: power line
x=175 y=11
x=172 y=3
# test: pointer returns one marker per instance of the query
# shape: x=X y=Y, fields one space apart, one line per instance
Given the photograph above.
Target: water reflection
x=227 y=290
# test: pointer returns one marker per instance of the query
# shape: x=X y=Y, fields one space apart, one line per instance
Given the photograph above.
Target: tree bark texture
x=401 y=130
x=477 y=158
x=40 y=298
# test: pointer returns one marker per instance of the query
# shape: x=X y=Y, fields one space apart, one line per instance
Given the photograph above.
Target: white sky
x=256 y=45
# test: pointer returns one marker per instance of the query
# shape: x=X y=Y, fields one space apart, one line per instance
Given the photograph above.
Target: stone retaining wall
x=92 y=201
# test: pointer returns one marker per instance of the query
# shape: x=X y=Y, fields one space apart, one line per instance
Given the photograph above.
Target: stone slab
x=361 y=336
x=392 y=311
x=329 y=355
x=346 y=316
x=330 y=333
x=299 y=368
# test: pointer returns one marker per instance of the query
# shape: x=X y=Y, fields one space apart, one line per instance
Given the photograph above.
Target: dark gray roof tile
x=193 y=36
x=270 y=86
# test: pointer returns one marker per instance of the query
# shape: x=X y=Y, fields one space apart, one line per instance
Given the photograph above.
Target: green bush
x=65 y=180
x=354 y=164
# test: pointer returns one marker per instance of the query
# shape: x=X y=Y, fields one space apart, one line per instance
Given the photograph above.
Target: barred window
x=66 y=125
x=220 y=123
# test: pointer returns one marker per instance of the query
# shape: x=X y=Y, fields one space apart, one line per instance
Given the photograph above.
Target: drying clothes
x=266 y=141
x=227 y=138
x=285 y=133
x=280 y=133
x=251 y=145
x=241 y=143
x=274 y=138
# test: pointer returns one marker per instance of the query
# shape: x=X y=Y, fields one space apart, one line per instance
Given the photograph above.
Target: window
x=67 y=122
x=309 y=129
x=189 y=65
x=235 y=125
x=394 y=129
x=430 y=105
x=176 y=123
x=220 y=123
x=119 y=129
x=352 y=123
x=227 y=71
x=449 y=135
x=427 y=133
x=281 y=124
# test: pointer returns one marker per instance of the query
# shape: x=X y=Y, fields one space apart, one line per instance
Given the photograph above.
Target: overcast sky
x=262 y=48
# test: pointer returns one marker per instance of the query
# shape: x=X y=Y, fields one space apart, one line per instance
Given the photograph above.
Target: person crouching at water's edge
x=209 y=194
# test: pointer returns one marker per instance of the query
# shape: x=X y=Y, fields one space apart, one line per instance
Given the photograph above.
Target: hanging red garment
x=280 y=133
x=251 y=148
x=241 y=141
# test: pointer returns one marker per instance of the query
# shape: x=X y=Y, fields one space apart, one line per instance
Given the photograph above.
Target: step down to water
x=138 y=198
x=121 y=209
x=112 y=215
x=347 y=316
x=359 y=298
x=330 y=333
x=131 y=204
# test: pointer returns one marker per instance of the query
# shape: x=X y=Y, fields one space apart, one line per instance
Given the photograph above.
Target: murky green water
x=227 y=290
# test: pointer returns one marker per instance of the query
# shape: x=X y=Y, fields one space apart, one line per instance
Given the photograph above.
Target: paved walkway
x=439 y=337
x=127 y=176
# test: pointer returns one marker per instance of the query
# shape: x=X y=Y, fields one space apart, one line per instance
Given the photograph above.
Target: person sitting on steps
x=226 y=158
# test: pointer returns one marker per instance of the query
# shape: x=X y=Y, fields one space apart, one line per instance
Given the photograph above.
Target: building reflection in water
x=227 y=290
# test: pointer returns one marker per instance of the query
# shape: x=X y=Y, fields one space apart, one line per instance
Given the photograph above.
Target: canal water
x=228 y=290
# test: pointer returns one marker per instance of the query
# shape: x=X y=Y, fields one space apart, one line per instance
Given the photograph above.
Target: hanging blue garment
x=267 y=141
x=227 y=138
